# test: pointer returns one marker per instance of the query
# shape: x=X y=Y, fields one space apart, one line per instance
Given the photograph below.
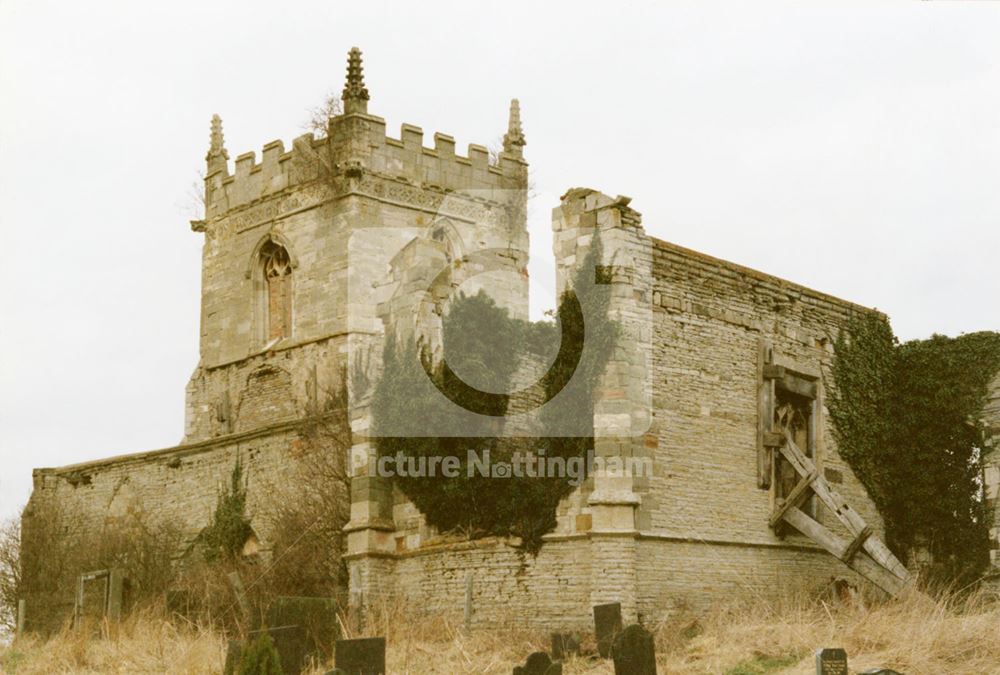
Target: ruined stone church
x=313 y=253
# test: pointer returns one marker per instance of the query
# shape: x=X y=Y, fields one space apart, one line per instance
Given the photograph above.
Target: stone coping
x=177 y=451
x=737 y=270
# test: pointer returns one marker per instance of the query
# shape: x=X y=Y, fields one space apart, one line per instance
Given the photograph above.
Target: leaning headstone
x=607 y=624
x=362 y=656
x=294 y=647
x=234 y=654
x=634 y=652
x=563 y=645
x=538 y=663
x=831 y=662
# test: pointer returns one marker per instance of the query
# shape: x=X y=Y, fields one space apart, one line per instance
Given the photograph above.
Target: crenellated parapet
x=358 y=147
x=356 y=144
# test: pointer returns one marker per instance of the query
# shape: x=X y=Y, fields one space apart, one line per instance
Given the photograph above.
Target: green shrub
x=260 y=657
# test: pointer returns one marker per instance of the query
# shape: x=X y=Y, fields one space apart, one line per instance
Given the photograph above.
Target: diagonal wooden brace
x=861 y=563
x=851 y=519
x=856 y=544
x=794 y=497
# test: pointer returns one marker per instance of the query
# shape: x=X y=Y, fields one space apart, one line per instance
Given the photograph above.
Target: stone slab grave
x=564 y=645
x=361 y=656
x=607 y=624
x=634 y=652
x=831 y=662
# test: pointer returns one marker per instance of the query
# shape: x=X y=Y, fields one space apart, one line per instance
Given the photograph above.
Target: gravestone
x=564 y=645
x=634 y=652
x=538 y=663
x=294 y=647
x=362 y=656
x=316 y=616
x=607 y=624
x=831 y=662
x=554 y=669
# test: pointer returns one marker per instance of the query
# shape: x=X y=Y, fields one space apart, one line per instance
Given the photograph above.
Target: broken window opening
x=788 y=409
x=794 y=414
x=276 y=268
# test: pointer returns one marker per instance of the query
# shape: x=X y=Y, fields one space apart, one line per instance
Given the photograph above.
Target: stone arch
x=272 y=237
x=443 y=231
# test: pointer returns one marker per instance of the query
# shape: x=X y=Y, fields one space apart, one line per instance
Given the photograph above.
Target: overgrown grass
x=145 y=642
x=914 y=635
x=762 y=665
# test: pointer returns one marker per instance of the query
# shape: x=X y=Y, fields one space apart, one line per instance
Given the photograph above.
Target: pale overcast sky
x=851 y=147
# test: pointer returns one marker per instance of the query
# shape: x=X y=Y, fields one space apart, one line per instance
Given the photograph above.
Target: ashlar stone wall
x=696 y=531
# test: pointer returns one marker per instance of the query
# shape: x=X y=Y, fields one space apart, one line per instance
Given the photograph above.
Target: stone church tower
x=299 y=249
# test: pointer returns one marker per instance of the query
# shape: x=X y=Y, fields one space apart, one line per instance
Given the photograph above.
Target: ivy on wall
x=483 y=347
x=230 y=529
x=907 y=418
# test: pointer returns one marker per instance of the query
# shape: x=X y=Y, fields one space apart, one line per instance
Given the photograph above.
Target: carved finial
x=355 y=94
x=217 y=154
x=513 y=140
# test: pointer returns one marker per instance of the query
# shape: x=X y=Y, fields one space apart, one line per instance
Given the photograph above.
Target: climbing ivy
x=483 y=347
x=230 y=527
x=907 y=418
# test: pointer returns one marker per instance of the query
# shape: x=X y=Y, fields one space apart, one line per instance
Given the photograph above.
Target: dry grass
x=915 y=635
x=144 y=643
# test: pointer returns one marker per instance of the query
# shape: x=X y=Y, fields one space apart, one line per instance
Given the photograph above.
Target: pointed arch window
x=276 y=303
